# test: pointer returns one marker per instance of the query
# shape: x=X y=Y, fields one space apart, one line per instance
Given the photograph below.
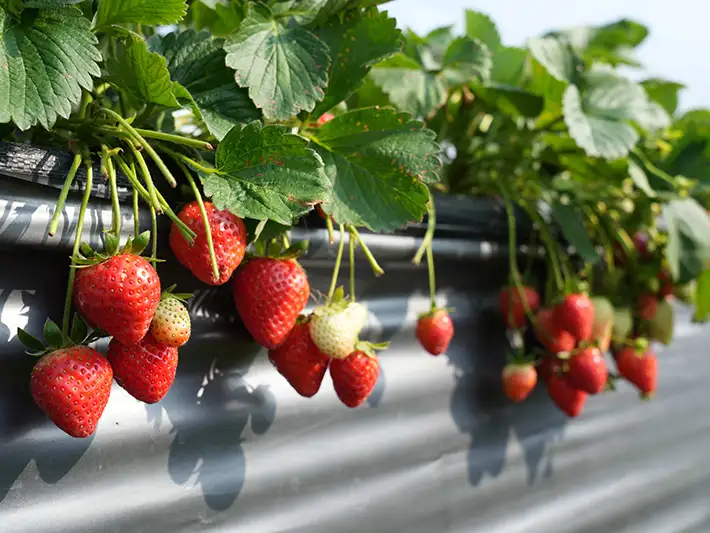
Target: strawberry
x=145 y=370
x=336 y=326
x=550 y=335
x=435 y=331
x=269 y=293
x=511 y=305
x=570 y=400
x=603 y=322
x=119 y=295
x=660 y=327
x=229 y=239
x=72 y=386
x=575 y=314
x=646 y=305
x=300 y=361
x=171 y=323
x=519 y=380
x=623 y=323
x=325 y=117
x=354 y=377
x=640 y=368
x=587 y=371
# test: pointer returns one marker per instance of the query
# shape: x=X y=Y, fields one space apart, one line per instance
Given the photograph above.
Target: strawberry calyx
x=434 y=310
x=339 y=302
x=87 y=256
x=180 y=296
x=368 y=348
x=54 y=339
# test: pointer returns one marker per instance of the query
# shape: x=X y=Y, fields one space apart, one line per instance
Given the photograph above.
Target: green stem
x=187 y=160
x=136 y=216
x=154 y=237
x=653 y=169
x=115 y=205
x=77 y=243
x=429 y=235
x=157 y=135
x=147 y=178
x=137 y=137
x=54 y=224
x=376 y=268
x=432 y=275
x=550 y=245
x=336 y=268
x=205 y=219
x=351 y=244
x=329 y=228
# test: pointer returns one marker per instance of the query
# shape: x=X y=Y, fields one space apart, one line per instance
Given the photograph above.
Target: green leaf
x=599 y=118
x=640 y=179
x=438 y=40
x=48 y=4
x=544 y=84
x=149 y=12
x=557 y=56
x=688 y=247
x=79 y=329
x=702 y=297
x=466 y=60
x=45 y=61
x=266 y=173
x=377 y=161
x=143 y=75
x=663 y=92
x=285 y=67
x=569 y=219
x=356 y=43
x=220 y=20
x=52 y=334
x=622 y=33
x=30 y=341
x=305 y=12
x=196 y=61
x=511 y=100
x=408 y=86
x=509 y=66
x=480 y=26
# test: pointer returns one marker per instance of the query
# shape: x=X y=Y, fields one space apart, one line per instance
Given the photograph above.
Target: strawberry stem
x=147 y=147
x=136 y=216
x=429 y=235
x=77 y=242
x=63 y=195
x=351 y=244
x=550 y=246
x=336 y=268
x=115 y=205
x=157 y=135
x=376 y=268
x=329 y=227
x=432 y=275
x=205 y=219
x=187 y=160
x=154 y=236
x=150 y=186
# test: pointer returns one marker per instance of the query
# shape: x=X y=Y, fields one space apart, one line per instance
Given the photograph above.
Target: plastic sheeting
x=436 y=449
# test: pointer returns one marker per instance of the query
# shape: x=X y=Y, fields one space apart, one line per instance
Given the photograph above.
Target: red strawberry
x=269 y=294
x=229 y=239
x=119 y=295
x=641 y=369
x=325 y=117
x=354 y=377
x=72 y=386
x=575 y=314
x=570 y=400
x=550 y=335
x=300 y=361
x=435 y=331
x=587 y=371
x=171 y=323
x=511 y=305
x=145 y=370
x=519 y=380
x=647 y=305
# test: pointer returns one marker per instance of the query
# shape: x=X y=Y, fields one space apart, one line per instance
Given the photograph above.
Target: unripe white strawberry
x=335 y=327
x=171 y=322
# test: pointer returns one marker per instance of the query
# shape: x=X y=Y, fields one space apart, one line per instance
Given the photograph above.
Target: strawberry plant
x=236 y=118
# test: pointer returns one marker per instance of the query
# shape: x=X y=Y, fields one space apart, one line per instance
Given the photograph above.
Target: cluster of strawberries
x=575 y=333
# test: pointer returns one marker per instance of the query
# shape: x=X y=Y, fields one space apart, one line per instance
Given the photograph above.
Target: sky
x=676 y=49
